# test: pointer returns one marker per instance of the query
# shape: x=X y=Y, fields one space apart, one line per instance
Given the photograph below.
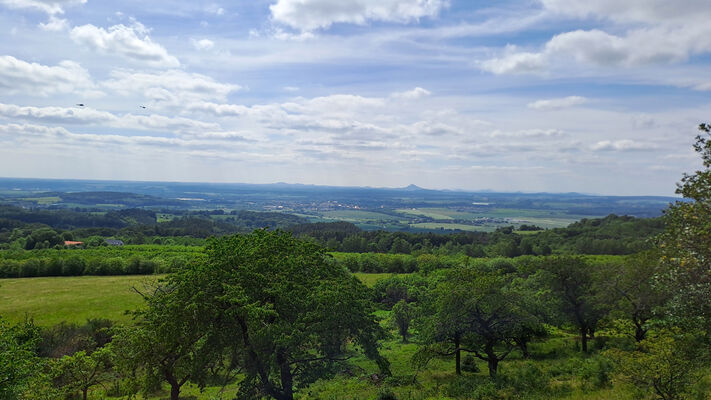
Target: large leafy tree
x=634 y=292
x=169 y=340
x=284 y=313
x=576 y=291
x=474 y=311
x=686 y=244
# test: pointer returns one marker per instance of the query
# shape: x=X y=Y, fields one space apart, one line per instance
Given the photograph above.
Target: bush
x=469 y=364
x=529 y=378
x=385 y=394
x=73 y=266
x=595 y=372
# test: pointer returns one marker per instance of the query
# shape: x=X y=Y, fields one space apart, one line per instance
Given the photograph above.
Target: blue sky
x=595 y=96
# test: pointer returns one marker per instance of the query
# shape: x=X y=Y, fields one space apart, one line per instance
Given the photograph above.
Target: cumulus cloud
x=18 y=76
x=556 y=104
x=528 y=133
x=90 y=116
x=54 y=24
x=202 y=44
x=631 y=10
x=645 y=32
x=131 y=42
x=56 y=114
x=514 y=62
x=309 y=15
x=48 y=6
x=413 y=94
x=662 y=44
x=622 y=145
x=171 y=87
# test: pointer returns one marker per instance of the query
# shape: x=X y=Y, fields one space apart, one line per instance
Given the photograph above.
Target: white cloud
x=622 y=145
x=514 y=62
x=556 y=104
x=309 y=15
x=56 y=114
x=643 y=46
x=413 y=94
x=90 y=116
x=18 y=76
x=528 y=133
x=215 y=9
x=173 y=87
x=631 y=10
x=202 y=44
x=47 y=6
x=54 y=24
x=124 y=41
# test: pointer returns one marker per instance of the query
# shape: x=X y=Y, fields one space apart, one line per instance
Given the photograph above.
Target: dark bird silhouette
x=142 y=106
x=80 y=104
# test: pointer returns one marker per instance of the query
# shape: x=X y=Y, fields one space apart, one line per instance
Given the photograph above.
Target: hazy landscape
x=355 y=199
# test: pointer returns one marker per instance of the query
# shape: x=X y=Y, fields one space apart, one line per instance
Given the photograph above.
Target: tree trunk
x=492 y=360
x=584 y=338
x=174 y=385
x=84 y=392
x=523 y=346
x=640 y=333
x=493 y=366
x=457 y=356
x=287 y=379
x=174 y=391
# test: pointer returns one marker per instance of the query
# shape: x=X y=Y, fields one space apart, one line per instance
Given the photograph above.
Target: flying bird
x=80 y=104
x=142 y=106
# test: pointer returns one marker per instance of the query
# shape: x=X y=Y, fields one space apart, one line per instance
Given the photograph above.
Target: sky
x=591 y=96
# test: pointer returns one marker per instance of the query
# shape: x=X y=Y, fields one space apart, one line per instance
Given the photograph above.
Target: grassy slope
x=74 y=299
x=53 y=300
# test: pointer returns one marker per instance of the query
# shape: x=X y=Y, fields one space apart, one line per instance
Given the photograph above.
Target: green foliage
x=18 y=359
x=279 y=308
x=473 y=310
x=576 y=292
x=685 y=244
x=667 y=363
x=402 y=314
x=80 y=371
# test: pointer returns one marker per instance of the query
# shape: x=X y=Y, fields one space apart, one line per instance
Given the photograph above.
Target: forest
x=267 y=305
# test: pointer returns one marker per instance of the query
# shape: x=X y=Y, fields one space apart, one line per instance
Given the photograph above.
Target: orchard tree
x=169 y=340
x=402 y=314
x=81 y=371
x=474 y=311
x=634 y=290
x=285 y=313
x=577 y=294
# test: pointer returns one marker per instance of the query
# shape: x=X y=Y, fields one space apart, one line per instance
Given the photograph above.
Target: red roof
x=71 y=243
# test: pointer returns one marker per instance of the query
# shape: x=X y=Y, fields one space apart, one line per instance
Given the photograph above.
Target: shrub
x=385 y=394
x=469 y=364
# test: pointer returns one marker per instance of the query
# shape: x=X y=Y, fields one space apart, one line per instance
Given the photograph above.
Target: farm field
x=53 y=300
x=50 y=301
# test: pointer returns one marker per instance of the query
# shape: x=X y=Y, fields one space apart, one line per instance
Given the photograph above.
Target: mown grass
x=50 y=301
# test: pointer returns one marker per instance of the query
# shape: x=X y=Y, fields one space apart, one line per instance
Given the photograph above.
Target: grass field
x=50 y=301
x=53 y=300
x=444 y=225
